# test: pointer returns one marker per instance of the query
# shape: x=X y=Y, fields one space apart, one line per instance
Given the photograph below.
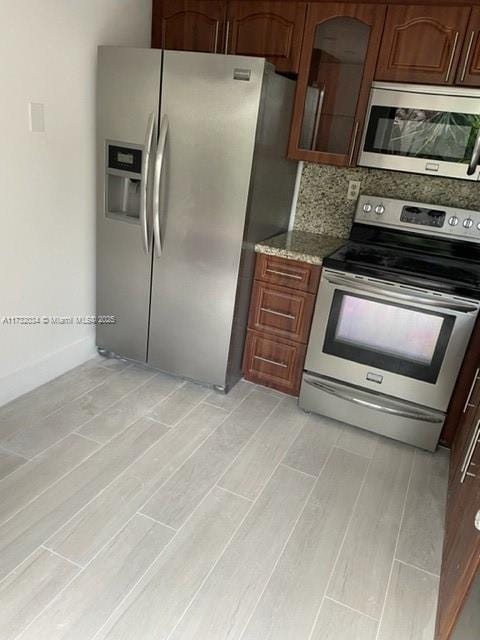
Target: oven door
x=408 y=129
x=396 y=340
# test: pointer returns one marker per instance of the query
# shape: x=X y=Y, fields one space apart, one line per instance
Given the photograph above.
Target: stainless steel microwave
x=424 y=129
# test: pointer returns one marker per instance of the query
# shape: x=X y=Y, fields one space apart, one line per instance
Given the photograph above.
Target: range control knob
x=478 y=226
x=367 y=207
x=467 y=223
x=379 y=209
x=453 y=221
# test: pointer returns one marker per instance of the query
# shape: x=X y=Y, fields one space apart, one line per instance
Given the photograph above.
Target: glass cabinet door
x=336 y=69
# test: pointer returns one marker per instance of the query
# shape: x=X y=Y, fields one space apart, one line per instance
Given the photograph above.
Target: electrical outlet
x=353 y=189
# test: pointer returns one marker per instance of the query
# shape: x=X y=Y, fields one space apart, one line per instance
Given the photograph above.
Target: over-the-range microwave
x=424 y=129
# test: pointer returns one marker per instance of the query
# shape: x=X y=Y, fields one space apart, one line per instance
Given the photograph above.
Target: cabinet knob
x=477 y=520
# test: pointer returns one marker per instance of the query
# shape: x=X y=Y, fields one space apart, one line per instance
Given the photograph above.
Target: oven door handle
x=384 y=408
x=369 y=287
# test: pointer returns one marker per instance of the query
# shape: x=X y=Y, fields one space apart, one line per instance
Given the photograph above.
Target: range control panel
x=419 y=217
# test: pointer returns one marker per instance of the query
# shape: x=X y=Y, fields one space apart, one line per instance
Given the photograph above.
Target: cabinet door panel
x=337 y=64
x=469 y=68
x=189 y=25
x=461 y=549
x=466 y=425
x=274 y=362
x=422 y=44
x=273 y=30
x=281 y=311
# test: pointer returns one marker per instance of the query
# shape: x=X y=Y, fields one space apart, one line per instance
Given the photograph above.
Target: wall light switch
x=37 y=118
x=353 y=189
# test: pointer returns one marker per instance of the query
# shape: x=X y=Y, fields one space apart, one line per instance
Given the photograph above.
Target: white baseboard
x=37 y=373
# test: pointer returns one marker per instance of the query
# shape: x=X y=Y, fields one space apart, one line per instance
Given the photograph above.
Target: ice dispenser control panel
x=123 y=181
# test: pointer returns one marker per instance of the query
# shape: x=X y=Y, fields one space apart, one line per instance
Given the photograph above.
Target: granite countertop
x=300 y=245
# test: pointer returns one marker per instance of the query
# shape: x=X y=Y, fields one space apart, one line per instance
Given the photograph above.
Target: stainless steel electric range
x=395 y=310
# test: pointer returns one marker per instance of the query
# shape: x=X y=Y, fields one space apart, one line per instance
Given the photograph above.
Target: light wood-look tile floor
x=134 y=506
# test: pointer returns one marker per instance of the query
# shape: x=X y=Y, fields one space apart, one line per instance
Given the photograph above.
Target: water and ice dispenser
x=123 y=181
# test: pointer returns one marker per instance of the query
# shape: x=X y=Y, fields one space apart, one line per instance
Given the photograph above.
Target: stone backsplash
x=323 y=206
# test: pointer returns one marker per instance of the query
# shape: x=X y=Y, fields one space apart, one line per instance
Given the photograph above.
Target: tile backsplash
x=323 y=206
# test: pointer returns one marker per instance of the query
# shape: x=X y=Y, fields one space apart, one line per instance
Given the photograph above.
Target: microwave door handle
x=159 y=160
x=384 y=408
x=475 y=156
x=393 y=295
x=144 y=181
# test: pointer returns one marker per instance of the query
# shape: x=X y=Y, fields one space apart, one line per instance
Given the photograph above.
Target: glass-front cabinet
x=337 y=65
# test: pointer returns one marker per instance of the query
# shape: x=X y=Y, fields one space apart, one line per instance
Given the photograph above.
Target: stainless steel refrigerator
x=192 y=171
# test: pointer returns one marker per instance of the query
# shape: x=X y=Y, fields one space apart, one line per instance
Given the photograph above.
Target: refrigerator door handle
x=143 y=192
x=162 y=140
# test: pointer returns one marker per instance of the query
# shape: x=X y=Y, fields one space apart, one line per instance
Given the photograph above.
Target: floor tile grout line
x=238 y=495
x=170 y=542
x=144 y=515
x=50 y=413
x=274 y=408
x=344 y=537
x=107 y=408
x=81 y=435
x=410 y=476
x=289 y=466
x=59 y=555
x=414 y=566
x=228 y=543
x=342 y=604
x=356 y=453
x=100 y=446
x=92 y=559
x=74 y=399
x=297 y=520
x=13 y=453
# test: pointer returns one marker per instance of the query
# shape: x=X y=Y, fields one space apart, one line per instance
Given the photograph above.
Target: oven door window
x=418 y=133
x=388 y=335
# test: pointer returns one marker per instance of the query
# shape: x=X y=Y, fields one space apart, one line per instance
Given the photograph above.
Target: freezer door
x=210 y=105
x=128 y=91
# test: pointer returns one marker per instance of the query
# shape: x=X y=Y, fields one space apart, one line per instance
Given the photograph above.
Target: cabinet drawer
x=274 y=362
x=288 y=273
x=281 y=311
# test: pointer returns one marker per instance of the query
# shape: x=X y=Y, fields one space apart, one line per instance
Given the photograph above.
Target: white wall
x=47 y=180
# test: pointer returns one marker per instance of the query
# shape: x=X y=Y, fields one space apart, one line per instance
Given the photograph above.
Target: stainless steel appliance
x=395 y=310
x=423 y=129
x=191 y=173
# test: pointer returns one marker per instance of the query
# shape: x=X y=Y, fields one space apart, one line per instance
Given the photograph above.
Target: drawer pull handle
x=467 y=402
x=467 y=463
x=286 y=275
x=278 y=364
x=278 y=313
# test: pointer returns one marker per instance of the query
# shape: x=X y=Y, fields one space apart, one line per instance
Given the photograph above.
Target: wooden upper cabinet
x=339 y=54
x=189 y=25
x=272 y=30
x=469 y=68
x=422 y=44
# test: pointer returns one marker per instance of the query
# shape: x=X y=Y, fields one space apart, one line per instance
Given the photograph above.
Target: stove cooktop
x=448 y=269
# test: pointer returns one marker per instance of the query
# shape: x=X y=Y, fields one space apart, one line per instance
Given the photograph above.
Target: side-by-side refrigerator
x=192 y=171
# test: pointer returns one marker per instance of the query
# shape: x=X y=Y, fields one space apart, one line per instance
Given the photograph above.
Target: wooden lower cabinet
x=274 y=362
x=279 y=322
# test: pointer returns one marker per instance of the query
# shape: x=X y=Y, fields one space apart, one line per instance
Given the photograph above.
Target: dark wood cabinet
x=281 y=311
x=461 y=550
x=272 y=30
x=422 y=43
x=274 y=362
x=189 y=25
x=339 y=54
x=468 y=72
